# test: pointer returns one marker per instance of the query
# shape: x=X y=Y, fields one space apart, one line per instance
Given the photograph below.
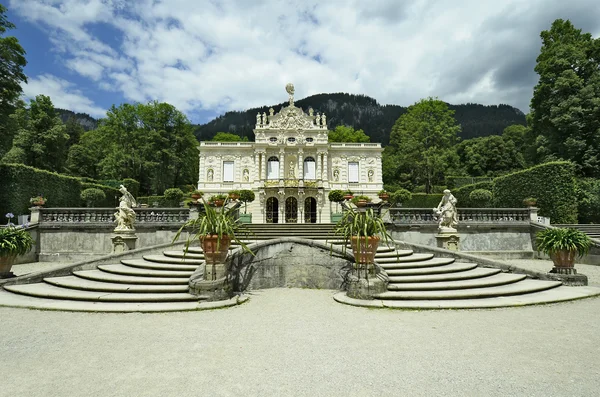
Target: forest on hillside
x=363 y=112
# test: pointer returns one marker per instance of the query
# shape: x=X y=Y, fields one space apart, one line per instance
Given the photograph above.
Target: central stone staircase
x=422 y=281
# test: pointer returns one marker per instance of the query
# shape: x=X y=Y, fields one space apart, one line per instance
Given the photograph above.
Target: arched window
x=273 y=167
x=310 y=168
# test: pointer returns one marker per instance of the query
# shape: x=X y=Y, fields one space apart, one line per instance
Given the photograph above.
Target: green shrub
x=400 y=196
x=553 y=184
x=173 y=196
x=480 y=198
x=92 y=196
x=550 y=241
x=18 y=183
x=422 y=200
x=246 y=196
x=463 y=194
x=588 y=200
x=336 y=196
x=114 y=183
x=132 y=186
x=111 y=195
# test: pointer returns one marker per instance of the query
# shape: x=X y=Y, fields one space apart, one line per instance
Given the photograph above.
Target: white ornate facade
x=291 y=167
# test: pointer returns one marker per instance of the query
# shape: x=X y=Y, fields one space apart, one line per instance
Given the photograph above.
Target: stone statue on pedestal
x=125 y=215
x=446 y=212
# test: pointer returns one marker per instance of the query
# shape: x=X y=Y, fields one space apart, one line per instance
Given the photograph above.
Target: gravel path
x=294 y=342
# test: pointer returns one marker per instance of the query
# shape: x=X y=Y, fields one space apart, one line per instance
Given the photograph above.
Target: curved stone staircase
x=423 y=281
x=151 y=283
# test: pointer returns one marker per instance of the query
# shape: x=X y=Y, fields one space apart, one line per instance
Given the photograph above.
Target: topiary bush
x=463 y=194
x=336 y=196
x=246 y=196
x=173 y=196
x=92 y=196
x=480 y=198
x=553 y=184
x=111 y=195
x=400 y=196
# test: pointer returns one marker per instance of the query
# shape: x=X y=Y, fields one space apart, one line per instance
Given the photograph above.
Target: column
x=325 y=172
x=281 y=164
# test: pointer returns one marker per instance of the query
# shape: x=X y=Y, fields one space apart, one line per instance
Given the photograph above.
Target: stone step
x=519 y=288
x=144 y=264
x=414 y=265
x=482 y=282
x=181 y=254
x=381 y=249
x=134 y=271
x=43 y=290
x=451 y=268
x=74 y=282
x=405 y=259
x=464 y=275
x=393 y=254
x=554 y=295
x=98 y=275
x=174 y=261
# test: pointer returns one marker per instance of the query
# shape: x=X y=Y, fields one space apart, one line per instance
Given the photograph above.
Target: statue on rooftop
x=258 y=119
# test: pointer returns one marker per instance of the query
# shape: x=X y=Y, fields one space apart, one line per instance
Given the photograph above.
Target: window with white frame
x=310 y=171
x=353 y=172
x=273 y=168
x=227 y=171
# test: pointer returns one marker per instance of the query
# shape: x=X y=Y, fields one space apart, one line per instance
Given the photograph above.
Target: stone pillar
x=325 y=172
x=533 y=214
x=35 y=218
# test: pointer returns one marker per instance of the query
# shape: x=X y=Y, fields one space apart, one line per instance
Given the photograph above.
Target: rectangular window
x=353 y=172
x=227 y=171
x=309 y=170
x=273 y=170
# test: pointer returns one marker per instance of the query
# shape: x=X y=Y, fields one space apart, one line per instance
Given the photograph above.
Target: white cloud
x=63 y=94
x=237 y=54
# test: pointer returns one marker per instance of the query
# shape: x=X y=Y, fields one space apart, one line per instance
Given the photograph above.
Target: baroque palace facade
x=291 y=167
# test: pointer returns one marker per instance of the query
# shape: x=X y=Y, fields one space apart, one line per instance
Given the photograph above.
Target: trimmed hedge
x=150 y=200
x=455 y=182
x=463 y=194
x=18 y=183
x=553 y=184
x=422 y=200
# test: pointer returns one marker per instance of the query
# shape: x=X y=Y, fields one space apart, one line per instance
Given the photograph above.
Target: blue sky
x=208 y=57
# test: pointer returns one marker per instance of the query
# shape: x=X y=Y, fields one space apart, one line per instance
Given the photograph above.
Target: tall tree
x=152 y=143
x=344 y=133
x=41 y=138
x=12 y=62
x=421 y=143
x=565 y=106
x=489 y=156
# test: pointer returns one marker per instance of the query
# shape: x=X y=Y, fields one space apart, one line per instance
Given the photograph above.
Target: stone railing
x=354 y=145
x=106 y=215
x=465 y=215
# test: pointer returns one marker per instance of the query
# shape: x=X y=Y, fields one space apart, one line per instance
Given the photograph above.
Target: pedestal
x=448 y=240
x=203 y=284
x=124 y=241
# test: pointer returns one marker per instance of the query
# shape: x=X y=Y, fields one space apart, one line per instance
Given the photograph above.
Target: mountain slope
x=363 y=112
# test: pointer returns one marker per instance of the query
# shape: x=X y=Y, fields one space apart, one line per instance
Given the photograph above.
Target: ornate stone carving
x=125 y=215
x=290 y=90
x=370 y=175
x=210 y=175
x=446 y=213
x=291 y=118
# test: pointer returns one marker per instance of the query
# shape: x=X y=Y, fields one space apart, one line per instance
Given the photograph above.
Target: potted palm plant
x=14 y=241
x=218 y=199
x=362 y=229
x=383 y=195
x=215 y=228
x=563 y=245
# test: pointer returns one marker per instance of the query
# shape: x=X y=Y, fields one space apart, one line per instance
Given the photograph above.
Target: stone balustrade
x=465 y=215
x=106 y=215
